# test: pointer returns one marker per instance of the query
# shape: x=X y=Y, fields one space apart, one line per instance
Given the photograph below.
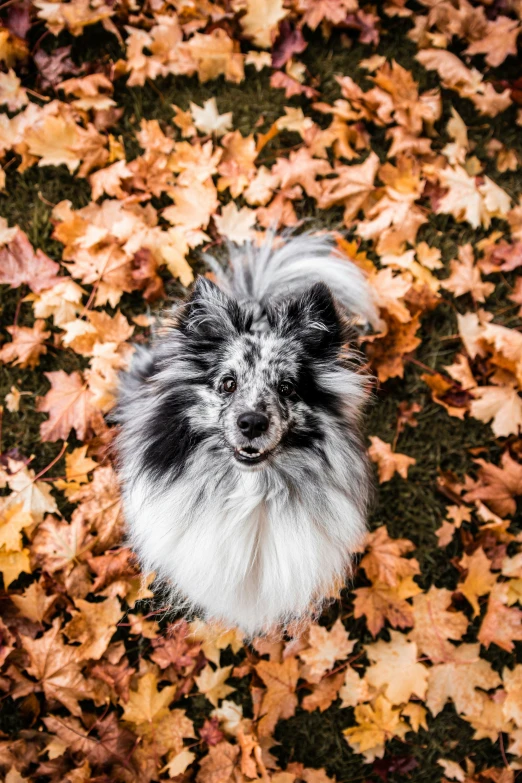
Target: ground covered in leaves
x=133 y=137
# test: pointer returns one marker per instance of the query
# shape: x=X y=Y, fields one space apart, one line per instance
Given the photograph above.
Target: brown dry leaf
x=502 y=405
x=93 y=625
x=395 y=669
x=56 y=667
x=354 y=689
x=465 y=277
x=13 y=520
x=261 y=21
x=69 y=405
x=324 y=648
x=35 y=496
x=211 y=682
x=387 y=353
x=479 y=579
x=434 y=625
x=383 y=561
x=20 y=264
x=147 y=705
x=12 y=564
x=34 y=603
x=388 y=290
x=498 y=486
x=219 y=764
x=502 y=625
x=388 y=462
x=27 y=345
x=459 y=679
x=324 y=693
x=447 y=394
x=279 y=701
x=382 y=602
x=58 y=545
x=376 y=723
x=512 y=682
x=350 y=188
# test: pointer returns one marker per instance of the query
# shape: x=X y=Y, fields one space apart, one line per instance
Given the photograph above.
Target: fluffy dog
x=244 y=477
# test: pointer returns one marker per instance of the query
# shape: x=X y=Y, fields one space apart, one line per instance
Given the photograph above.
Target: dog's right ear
x=209 y=313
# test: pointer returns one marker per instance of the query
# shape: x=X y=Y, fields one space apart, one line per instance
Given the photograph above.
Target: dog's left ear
x=313 y=319
x=211 y=314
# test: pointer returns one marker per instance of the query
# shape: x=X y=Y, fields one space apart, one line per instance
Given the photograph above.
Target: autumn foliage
x=411 y=159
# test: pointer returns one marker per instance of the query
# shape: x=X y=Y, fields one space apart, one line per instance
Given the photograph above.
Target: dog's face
x=249 y=397
x=263 y=391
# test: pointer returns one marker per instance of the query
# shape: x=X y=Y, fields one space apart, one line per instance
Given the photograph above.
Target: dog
x=244 y=477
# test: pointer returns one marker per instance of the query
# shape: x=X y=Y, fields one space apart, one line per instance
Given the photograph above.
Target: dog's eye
x=228 y=385
x=285 y=389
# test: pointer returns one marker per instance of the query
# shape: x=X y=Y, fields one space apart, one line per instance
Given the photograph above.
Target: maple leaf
x=216 y=53
x=11 y=91
x=57 y=544
x=447 y=394
x=56 y=668
x=351 y=187
x=324 y=693
x=375 y=725
x=388 y=290
x=146 y=704
x=236 y=224
x=34 y=603
x=354 y=689
x=512 y=682
x=12 y=564
x=215 y=638
x=500 y=404
x=465 y=277
x=388 y=462
x=211 y=682
x=53 y=142
x=301 y=169
x=20 y=264
x=383 y=561
x=382 y=602
x=13 y=520
x=459 y=679
x=69 y=405
x=100 y=507
x=387 y=354
x=324 y=648
x=219 y=764
x=434 y=625
x=207 y=119
x=499 y=41
x=35 y=496
x=395 y=669
x=261 y=21
x=479 y=579
x=498 y=486
x=502 y=625
x=279 y=700
x=93 y=625
x=27 y=345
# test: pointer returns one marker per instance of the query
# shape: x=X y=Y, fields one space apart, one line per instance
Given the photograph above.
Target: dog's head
x=256 y=395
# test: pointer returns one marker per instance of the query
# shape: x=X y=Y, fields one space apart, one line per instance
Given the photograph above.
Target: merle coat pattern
x=245 y=482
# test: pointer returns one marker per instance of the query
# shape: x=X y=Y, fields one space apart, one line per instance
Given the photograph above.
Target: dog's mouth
x=248 y=455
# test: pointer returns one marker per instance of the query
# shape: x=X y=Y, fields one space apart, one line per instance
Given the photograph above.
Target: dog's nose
x=252 y=424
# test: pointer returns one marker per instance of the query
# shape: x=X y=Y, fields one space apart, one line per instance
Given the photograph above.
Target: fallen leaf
x=388 y=462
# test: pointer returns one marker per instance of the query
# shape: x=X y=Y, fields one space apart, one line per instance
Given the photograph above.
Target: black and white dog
x=244 y=477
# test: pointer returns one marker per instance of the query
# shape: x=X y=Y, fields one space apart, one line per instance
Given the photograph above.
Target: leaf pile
x=396 y=126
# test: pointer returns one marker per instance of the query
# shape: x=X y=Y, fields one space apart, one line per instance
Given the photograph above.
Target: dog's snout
x=252 y=424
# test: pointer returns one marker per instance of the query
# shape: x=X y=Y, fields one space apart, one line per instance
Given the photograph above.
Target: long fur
x=250 y=545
